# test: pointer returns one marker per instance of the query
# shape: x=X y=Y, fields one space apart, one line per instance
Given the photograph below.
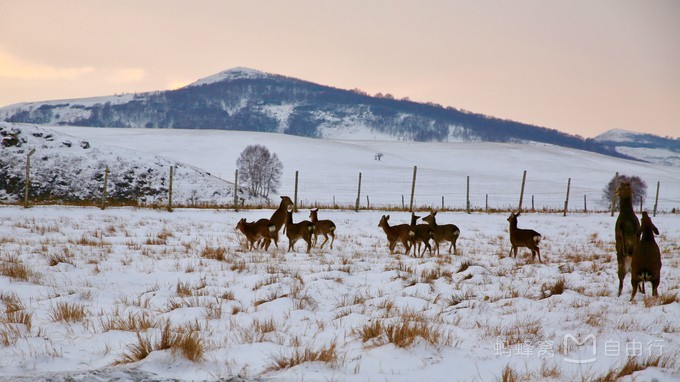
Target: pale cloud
x=124 y=75
x=18 y=68
x=175 y=84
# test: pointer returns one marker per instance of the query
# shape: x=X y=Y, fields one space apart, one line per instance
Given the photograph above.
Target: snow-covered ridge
x=67 y=168
x=231 y=74
x=617 y=135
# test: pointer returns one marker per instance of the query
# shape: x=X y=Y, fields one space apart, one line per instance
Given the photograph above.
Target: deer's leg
x=655 y=285
x=332 y=238
x=325 y=235
x=622 y=275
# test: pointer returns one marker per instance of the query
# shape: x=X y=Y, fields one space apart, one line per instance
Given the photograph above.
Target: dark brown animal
x=262 y=229
x=279 y=216
x=441 y=233
x=626 y=232
x=398 y=233
x=523 y=238
x=419 y=234
x=296 y=231
x=323 y=227
x=646 y=261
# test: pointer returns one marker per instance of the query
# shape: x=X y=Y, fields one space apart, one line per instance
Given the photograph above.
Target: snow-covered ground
x=328 y=170
x=82 y=290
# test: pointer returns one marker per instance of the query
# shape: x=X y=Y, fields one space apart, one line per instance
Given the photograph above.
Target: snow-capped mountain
x=70 y=169
x=249 y=100
x=646 y=147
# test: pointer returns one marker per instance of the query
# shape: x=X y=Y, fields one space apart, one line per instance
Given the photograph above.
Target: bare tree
x=637 y=185
x=259 y=170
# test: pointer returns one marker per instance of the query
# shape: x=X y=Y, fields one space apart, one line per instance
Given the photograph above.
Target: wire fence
x=419 y=189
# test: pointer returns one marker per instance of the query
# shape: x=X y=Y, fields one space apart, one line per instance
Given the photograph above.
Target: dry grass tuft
x=509 y=374
x=327 y=354
x=183 y=340
x=634 y=364
x=214 y=253
x=463 y=266
x=131 y=322
x=404 y=332
x=11 y=266
x=68 y=312
x=558 y=287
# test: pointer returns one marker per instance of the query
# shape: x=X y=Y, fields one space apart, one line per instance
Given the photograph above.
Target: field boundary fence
x=419 y=189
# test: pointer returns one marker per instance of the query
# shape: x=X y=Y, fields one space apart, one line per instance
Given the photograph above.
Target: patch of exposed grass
x=327 y=354
x=68 y=312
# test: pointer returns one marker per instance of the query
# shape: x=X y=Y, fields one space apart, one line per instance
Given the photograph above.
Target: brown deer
x=523 y=238
x=419 y=234
x=262 y=229
x=279 y=217
x=441 y=233
x=646 y=260
x=296 y=231
x=323 y=227
x=626 y=232
x=398 y=233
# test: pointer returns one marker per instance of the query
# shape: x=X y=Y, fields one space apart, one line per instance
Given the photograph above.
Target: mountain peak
x=617 y=135
x=230 y=74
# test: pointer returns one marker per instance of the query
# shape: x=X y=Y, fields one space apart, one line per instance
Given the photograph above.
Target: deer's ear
x=517 y=214
x=387 y=217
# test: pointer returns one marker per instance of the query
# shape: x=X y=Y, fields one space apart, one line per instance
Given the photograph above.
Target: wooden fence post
x=28 y=177
x=356 y=206
x=170 y=190
x=656 y=200
x=585 y=204
x=521 y=193
x=616 y=185
x=295 y=202
x=236 y=190
x=106 y=180
x=442 y=202
x=467 y=197
x=368 y=203
x=566 y=201
x=413 y=188
x=486 y=203
x=403 y=205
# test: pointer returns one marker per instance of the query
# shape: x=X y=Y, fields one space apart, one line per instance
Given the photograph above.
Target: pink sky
x=581 y=66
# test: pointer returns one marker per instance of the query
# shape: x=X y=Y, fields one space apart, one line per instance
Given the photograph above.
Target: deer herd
x=637 y=252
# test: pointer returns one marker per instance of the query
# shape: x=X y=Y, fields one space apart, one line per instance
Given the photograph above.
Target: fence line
x=425 y=188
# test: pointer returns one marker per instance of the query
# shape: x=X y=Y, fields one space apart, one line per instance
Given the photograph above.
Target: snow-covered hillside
x=647 y=147
x=329 y=169
x=72 y=169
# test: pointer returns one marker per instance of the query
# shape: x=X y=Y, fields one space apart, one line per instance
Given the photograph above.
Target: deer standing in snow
x=626 y=232
x=419 y=234
x=646 y=259
x=523 y=238
x=441 y=233
x=262 y=229
x=323 y=227
x=296 y=231
x=398 y=233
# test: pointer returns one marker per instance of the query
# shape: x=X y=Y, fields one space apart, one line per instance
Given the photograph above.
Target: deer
x=626 y=232
x=646 y=259
x=279 y=218
x=296 y=231
x=523 y=238
x=324 y=227
x=398 y=233
x=441 y=233
x=262 y=229
x=419 y=234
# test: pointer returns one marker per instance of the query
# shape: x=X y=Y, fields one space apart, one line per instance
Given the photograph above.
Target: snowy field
x=147 y=294
x=329 y=169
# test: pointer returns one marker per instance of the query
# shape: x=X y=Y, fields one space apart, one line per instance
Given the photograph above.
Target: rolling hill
x=249 y=100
